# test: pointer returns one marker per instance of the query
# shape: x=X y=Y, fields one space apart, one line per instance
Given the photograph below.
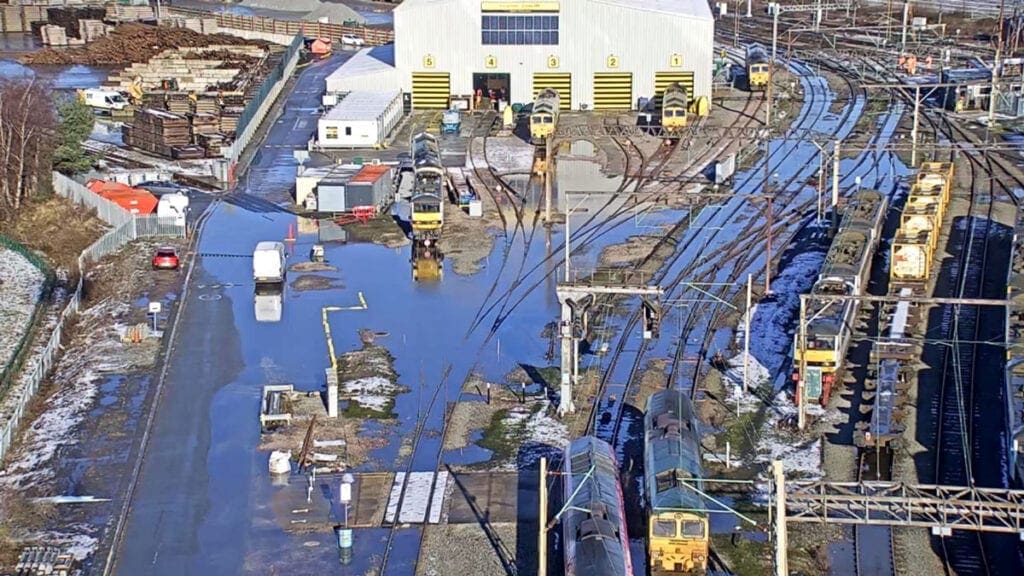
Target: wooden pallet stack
x=206 y=104
x=90 y=30
x=229 y=119
x=179 y=102
x=203 y=124
x=69 y=18
x=53 y=35
x=157 y=131
x=211 y=143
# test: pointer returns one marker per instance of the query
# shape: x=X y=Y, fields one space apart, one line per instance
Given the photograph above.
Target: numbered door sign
x=491 y=62
x=675 y=61
x=428 y=61
x=613 y=61
x=553 y=62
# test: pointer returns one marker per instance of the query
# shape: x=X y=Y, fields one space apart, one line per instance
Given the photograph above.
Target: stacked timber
x=206 y=104
x=12 y=19
x=157 y=131
x=203 y=124
x=179 y=103
x=69 y=18
x=122 y=13
x=229 y=119
x=187 y=152
x=89 y=30
x=53 y=35
x=211 y=143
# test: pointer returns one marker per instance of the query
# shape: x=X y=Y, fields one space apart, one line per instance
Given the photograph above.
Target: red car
x=166 y=259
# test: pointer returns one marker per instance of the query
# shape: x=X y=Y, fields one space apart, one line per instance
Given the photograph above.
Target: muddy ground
x=85 y=423
x=366 y=393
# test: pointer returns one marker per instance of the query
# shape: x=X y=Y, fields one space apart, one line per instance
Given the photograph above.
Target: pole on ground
x=835 y=185
x=746 y=337
x=542 y=516
x=782 y=539
x=768 y=258
x=567 y=236
x=995 y=66
x=548 y=171
x=913 y=132
x=800 y=349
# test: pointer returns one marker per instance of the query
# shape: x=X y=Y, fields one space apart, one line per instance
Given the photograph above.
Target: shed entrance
x=430 y=90
x=493 y=87
x=559 y=81
x=613 y=91
x=662 y=80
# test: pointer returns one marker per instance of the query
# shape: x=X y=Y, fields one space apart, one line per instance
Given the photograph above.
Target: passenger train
x=594 y=524
x=428 y=188
x=678 y=534
x=758 y=67
x=544 y=116
x=830 y=323
x=674 y=105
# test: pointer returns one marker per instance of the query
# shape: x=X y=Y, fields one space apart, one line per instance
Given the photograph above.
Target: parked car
x=166 y=258
x=352 y=40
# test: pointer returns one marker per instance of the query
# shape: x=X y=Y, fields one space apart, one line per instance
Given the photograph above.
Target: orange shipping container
x=102 y=186
x=135 y=201
x=320 y=46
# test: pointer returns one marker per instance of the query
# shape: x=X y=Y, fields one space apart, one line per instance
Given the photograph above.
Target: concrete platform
x=494 y=496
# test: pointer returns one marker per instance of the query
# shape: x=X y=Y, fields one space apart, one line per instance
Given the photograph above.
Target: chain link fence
x=14 y=364
x=127 y=227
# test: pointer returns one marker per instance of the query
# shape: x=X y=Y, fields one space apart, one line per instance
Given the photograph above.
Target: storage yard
x=529 y=299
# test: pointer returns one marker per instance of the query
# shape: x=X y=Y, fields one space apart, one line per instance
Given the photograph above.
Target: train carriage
x=594 y=523
x=677 y=518
x=674 y=106
x=544 y=116
x=758 y=67
x=846 y=271
x=428 y=188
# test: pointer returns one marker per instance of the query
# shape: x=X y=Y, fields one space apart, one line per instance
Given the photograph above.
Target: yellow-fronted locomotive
x=428 y=188
x=544 y=116
x=677 y=519
x=675 y=104
x=758 y=67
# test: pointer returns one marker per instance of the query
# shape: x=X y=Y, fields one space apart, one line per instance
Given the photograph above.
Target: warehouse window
x=519 y=30
x=348 y=130
x=332 y=133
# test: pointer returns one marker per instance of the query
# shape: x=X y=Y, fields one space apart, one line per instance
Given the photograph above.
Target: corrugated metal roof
x=370 y=173
x=362 y=105
x=693 y=8
x=367 y=61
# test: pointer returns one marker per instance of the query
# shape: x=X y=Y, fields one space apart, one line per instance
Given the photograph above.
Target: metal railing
x=127 y=227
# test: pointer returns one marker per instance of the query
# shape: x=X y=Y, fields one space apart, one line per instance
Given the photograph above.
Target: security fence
x=127 y=227
x=17 y=359
x=251 y=110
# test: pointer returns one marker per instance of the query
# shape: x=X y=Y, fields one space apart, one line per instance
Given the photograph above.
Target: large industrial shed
x=604 y=54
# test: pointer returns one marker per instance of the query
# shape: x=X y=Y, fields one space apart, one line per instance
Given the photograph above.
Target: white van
x=268 y=265
x=103 y=99
x=174 y=206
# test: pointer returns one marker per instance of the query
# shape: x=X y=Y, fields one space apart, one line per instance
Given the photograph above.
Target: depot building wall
x=594 y=36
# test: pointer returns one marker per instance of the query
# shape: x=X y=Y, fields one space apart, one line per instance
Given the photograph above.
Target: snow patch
x=374 y=392
x=21 y=284
x=800 y=459
x=536 y=432
x=79 y=541
x=509 y=155
x=94 y=354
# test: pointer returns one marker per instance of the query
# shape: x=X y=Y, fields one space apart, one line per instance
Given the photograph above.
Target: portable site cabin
x=372 y=186
x=363 y=119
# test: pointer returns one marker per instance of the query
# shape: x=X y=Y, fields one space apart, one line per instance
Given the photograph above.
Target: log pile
x=134 y=42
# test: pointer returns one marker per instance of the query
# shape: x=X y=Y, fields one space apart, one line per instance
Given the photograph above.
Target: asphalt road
x=194 y=507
